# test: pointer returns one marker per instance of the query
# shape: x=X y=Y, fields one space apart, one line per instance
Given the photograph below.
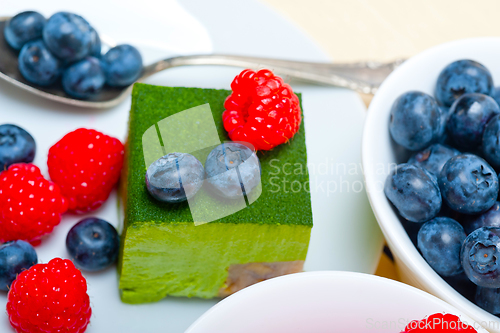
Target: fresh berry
x=414 y=192
x=175 y=177
x=440 y=241
x=15 y=257
x=468 y=118
x=439 y=323
x=49 y=298
x=488 y=299
x=481 y=257
x=490 y=218
x=443 y=132
x=232 y=169
x=68 y=36
x=496 y=95
x=93 y=244
x=433 y=157
x=84 y=79
x=22 y=28
x=415 y=120
x=37 y=65
x=469 y=185
x=262 y=110
x=86 y=164
x=95 y=46
x=16 y=146
x=491 y=141
x=30 y=205
x=462 y=77
x=122 y=65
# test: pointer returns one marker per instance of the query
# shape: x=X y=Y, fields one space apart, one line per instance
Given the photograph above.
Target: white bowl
x=323 y=302
x=378 y=154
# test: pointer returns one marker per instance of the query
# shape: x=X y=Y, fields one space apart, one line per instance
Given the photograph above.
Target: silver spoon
x=363 y=77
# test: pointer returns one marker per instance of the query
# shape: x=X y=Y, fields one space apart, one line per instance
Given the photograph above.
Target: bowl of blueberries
x=431 y=158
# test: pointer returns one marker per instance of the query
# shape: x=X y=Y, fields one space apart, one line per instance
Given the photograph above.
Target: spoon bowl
x=364 y=77
x=9 y=71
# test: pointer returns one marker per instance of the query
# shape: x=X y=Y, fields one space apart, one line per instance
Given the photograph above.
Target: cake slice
x=163 y=251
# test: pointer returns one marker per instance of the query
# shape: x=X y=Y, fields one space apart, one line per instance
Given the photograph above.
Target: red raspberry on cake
x=30 y=205
x=262 y=110
x=439 y=323
x=49 y=298
x=86 y=164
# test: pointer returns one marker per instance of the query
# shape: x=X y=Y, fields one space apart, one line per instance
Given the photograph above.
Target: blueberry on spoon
x=22 y=28
x=38 y=65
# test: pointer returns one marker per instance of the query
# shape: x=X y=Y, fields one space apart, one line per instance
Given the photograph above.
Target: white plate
x=345 y=235
x=322 y=302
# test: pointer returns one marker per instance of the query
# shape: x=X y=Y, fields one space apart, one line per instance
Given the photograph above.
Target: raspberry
x=49 y=298
x=262 y=110
x=439 y=323
x=86 y=164
x=30 y=205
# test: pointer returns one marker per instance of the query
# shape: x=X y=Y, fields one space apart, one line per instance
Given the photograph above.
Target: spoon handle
x=363 y=77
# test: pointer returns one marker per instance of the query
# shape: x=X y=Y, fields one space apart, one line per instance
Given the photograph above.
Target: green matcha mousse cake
x=163 y=251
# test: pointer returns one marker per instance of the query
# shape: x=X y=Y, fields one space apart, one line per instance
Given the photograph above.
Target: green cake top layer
x=285 y=182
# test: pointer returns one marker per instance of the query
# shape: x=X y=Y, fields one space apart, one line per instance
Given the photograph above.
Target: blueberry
x=68 y=36
x=468 y=118
x=462 y=77
x=468 y=184
x=443 y=132
x=16 y=146
x=490 y=218
x=488 y=299
x=415 y=120
x=122 y=65
x=496 y=95
x=440 y=241
x=491 y=141
x=95 y=46
x=84 y=79
x=175 y=177
x=414 y=192
x=93 y=244
x=38 y=65
x=232 y=169
x=433 y=157
x=481 y=257
x=15 y=257
x=22 y=28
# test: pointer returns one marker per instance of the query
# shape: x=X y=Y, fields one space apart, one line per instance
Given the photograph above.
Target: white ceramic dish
x=418 y=73
x=323 y=302
x=346 y=235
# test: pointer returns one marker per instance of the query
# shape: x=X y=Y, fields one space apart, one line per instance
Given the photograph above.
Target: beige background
x=350 y=30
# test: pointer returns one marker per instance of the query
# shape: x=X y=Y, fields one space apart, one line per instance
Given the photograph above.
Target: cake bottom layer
x=243 y=275
x=210 y=260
